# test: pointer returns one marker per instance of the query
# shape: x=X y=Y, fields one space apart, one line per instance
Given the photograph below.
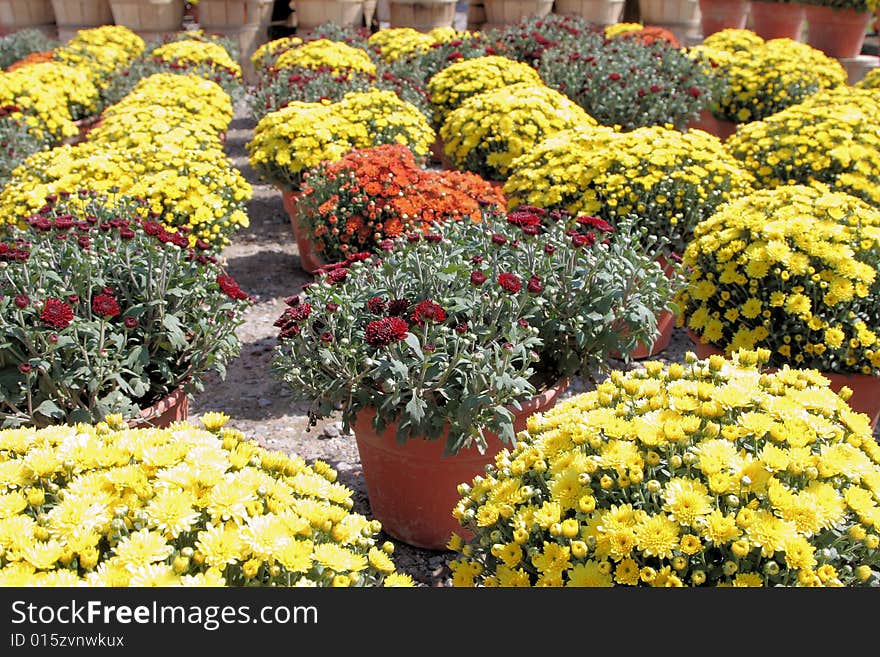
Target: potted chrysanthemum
x=793 y=270
x=832 y=137
x=356 y=203
x=706 y=473
x=106 y=311
x=488 y=131
x=105 y=505
x=667 y=180
x=436 y=349
x=759 y=77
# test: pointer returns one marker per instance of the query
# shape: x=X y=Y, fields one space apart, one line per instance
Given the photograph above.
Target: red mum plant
x=446 y=329
x=371 y=195
x=104 y=310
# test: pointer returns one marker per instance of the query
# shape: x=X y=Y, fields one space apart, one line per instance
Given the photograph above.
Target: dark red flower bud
x=534 y=285
x=477 y=278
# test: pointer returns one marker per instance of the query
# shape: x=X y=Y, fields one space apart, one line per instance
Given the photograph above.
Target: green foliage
x=22 y=43
x=630 y=83
x=452 y=329
x=104 y=312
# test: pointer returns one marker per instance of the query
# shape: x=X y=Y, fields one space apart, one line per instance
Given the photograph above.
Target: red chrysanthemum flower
x=595 y=222
x=337 y=275
x=509 y=282
x=376 y=305
x=427 y=310
x=534 y=286
x=583 y=240
x=230 y=287
x=477 y=278
x=300 y=311
x=384 y=331
x=56 y=313
x=105 y=306
x=398 y=307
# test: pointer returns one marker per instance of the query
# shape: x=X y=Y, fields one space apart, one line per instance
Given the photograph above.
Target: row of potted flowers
x=449 y=331
x=618 y=176
x=112 y=298
x=161 y=141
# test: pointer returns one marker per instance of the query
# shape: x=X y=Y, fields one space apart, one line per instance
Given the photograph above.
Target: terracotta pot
x=681 y=17
x=413 y=488
x=777 y=20
x=309 y=260
x=837 y=32
x=708 y=122
x=85 y=126
x=166 y=411
x=717 y=15
x=666 y=324
x=865 y=387
x=508 y=12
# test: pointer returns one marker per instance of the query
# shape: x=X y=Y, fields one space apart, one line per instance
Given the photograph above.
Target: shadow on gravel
x=249 y=379
x=270 y=273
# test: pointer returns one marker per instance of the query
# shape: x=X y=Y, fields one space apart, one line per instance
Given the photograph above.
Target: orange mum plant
x=371 y=195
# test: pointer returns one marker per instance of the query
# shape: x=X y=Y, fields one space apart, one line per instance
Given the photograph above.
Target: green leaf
x=49 y=409
x=415 y=407
x=176 y=336
x=412 y=342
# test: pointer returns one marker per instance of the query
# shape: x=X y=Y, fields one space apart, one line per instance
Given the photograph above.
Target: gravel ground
x=263 y=258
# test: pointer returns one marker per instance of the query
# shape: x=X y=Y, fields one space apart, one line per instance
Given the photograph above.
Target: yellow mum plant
x=290 y=141
x=668 y=180
x=709 y=473
x=871 y=80
x=105 y=50
x=192 y=52
x=324 y=53
x=201 y=101
x=161 y=142
x=763 y=77
x=793 y=270
x=105 y=505
x=833 y=137
x=266 y=54
x=395 y=42
x=449 y=87
x=198 y=189
x=488 y=131
x=48 y=97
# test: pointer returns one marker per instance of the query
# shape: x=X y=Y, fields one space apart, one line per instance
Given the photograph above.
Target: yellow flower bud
x=570 y=528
